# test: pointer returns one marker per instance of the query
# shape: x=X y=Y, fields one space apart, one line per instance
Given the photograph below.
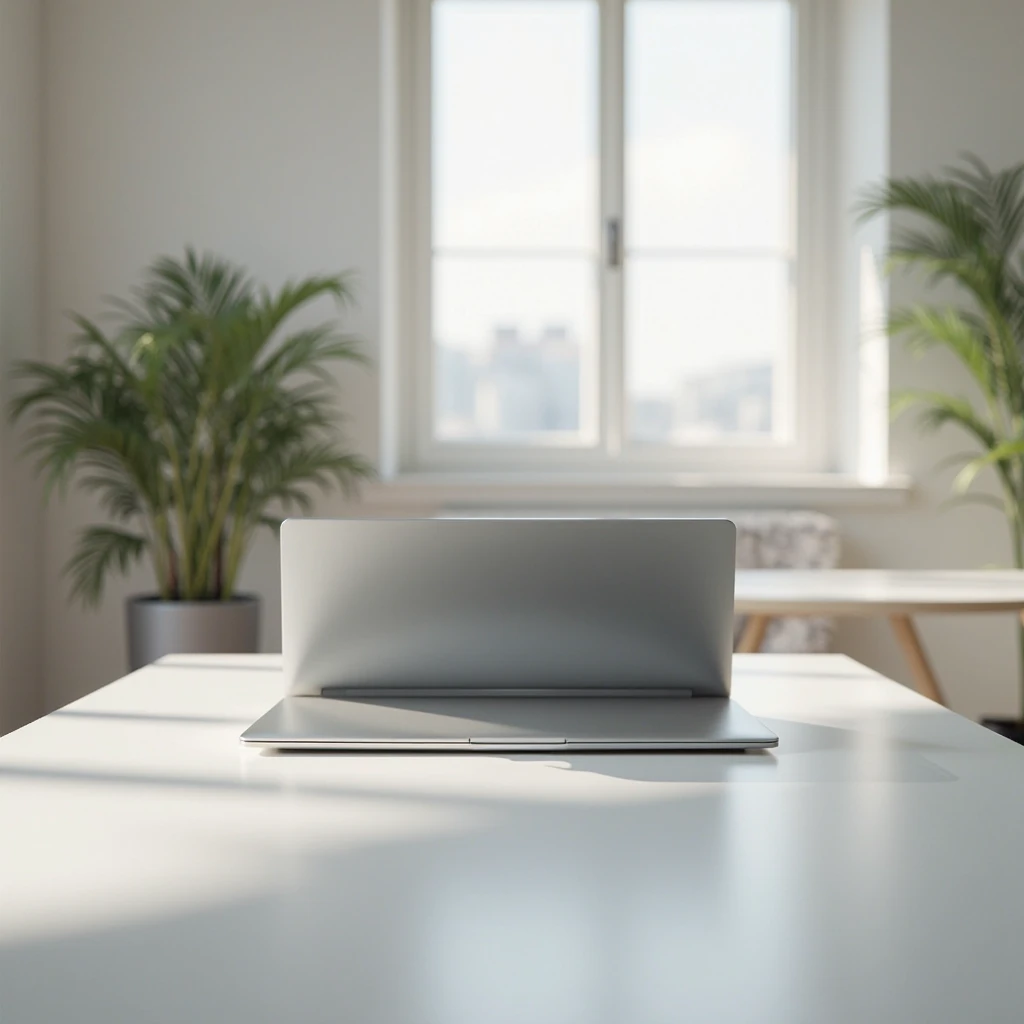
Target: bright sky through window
x=517 y=277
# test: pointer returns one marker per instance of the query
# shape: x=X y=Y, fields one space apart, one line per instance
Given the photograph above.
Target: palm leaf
x=1000 y=453
x=998 y=197
x=939 y=409
x=294 y=295
x=923 y=327
x=101 y=549
x=943 y=203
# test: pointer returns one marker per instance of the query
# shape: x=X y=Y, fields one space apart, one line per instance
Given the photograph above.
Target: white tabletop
x=154 y=871
x=877 y=591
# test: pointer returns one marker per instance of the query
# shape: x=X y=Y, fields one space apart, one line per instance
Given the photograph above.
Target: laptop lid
x=515 y=605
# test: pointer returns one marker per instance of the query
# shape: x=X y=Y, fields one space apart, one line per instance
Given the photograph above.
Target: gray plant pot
x=156 y=627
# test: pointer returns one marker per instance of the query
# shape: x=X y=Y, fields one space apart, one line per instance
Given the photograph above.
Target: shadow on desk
x=809 y=767
x=807 y=754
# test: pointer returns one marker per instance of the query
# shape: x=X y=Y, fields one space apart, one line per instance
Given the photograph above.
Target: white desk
x=153 y=871
x=764 y=594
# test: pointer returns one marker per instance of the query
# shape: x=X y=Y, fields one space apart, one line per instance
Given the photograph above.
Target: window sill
x=431 y=492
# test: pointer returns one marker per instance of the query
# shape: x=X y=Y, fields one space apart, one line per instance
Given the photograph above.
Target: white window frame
x=812 y=446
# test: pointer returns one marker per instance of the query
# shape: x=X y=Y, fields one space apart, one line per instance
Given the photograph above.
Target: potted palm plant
x=966 y=229
x=197 y=418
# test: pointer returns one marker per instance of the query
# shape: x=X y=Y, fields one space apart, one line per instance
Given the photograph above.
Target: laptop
x=507 y=635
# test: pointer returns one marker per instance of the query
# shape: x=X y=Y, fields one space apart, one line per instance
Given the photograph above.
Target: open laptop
x=508 y=634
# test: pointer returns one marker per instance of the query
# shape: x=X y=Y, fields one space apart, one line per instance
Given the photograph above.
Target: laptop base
x=473 y=724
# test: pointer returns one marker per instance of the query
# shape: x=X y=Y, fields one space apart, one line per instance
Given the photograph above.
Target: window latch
x=613 y=242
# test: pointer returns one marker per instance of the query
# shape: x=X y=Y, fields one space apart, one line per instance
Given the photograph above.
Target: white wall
x=20 y=558
x=244 y=126
x=251 y=127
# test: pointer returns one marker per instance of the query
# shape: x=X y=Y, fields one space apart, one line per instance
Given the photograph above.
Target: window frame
x=811 y=446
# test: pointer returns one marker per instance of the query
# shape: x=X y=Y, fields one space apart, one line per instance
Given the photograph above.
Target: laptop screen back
x=519 y=605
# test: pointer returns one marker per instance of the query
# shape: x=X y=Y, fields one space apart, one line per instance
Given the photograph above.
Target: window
x=606 y=256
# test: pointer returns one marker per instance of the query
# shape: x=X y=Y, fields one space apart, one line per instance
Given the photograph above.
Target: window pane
x=708 y=140
x=514 y=349
x=515 y=123
x=708 y=347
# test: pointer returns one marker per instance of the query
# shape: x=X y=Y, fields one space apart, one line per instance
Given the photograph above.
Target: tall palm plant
x=196 y=419
x=970 y=230
x=967 y=228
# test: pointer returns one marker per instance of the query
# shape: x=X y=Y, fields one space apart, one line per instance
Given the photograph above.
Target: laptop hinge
x=376 y=692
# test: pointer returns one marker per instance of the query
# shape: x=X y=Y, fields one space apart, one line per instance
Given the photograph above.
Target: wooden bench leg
x=920 y=668
x=753 y=634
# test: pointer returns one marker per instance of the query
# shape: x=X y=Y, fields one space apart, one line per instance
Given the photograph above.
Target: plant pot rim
x=236 y=599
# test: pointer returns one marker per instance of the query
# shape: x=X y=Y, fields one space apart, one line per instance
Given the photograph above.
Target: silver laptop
x=507 y=634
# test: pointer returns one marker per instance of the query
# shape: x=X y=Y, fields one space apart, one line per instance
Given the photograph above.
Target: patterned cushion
x=789 y=540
